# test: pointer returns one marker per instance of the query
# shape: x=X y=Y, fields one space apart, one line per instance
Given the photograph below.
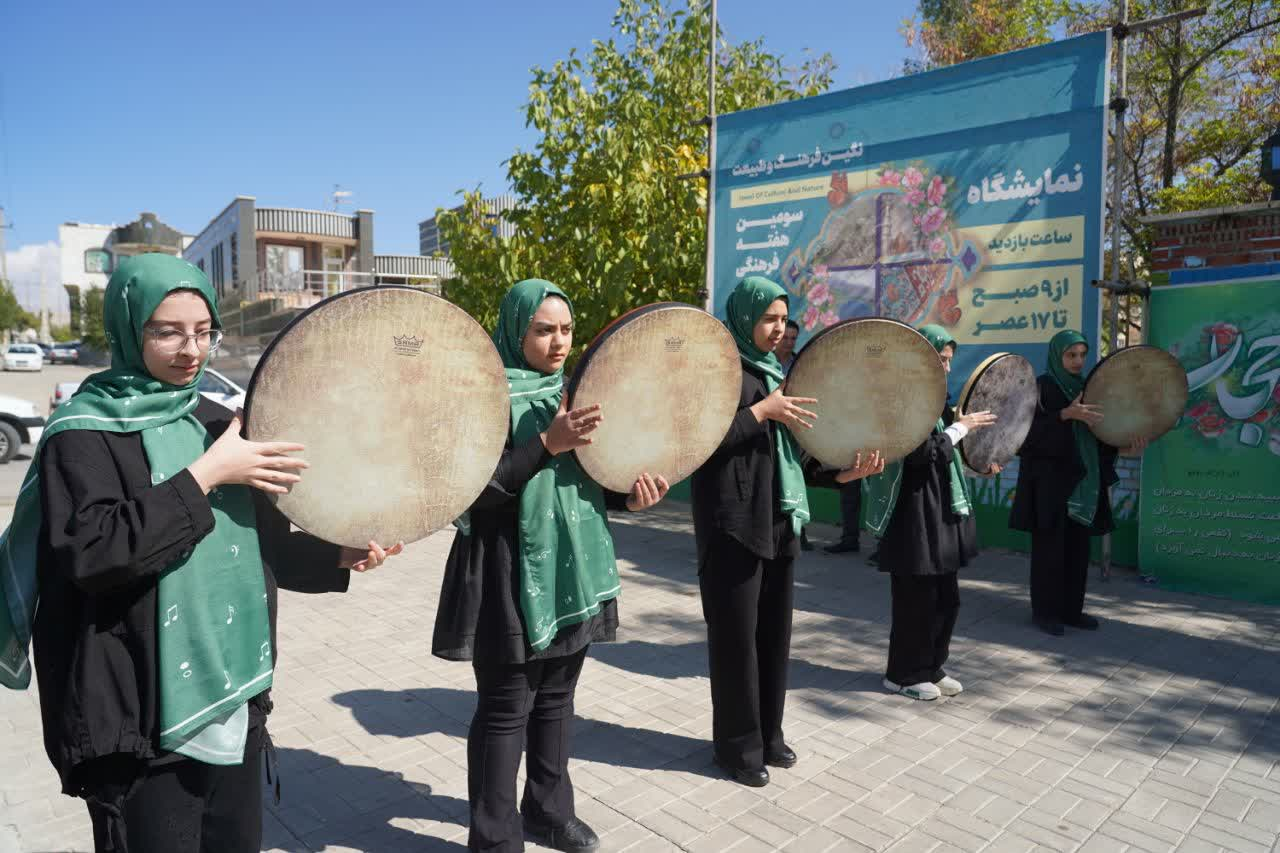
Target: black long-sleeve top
x=107 y=535
x=478 y=617
x=736 y=494
x=924 y=535
x=1049 y=468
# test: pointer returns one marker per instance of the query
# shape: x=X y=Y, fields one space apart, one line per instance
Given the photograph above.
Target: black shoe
x=805 y=544
x=784 y=758
x=756 y=777
x=874 y=559
x=1051 y=626
x=1084 y=622
x=574 y=837
x=843 y=547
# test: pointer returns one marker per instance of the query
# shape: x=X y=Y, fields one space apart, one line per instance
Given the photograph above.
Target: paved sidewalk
x=1158 y=732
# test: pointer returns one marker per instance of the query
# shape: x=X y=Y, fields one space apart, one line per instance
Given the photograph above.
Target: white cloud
x=25 y=265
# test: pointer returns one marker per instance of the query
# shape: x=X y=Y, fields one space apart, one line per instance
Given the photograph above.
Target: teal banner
x=1210 y=505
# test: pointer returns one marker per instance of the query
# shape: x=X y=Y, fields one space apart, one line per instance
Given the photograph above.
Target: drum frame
x=966 y=392
x=1085 y=394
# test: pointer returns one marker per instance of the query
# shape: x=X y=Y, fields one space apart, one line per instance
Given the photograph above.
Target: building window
x=97 y=260
x=235 y=262
x=218 y=268
x=284 y=267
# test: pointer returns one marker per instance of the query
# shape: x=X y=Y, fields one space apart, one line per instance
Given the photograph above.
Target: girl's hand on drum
x=646 y=492
x=362 y=560
x=1136 y=448
x=571 y=430
x=232 y=459
x=993 y=469
x=1081 y=411
x=869 y=466
x=978 y=420
x=785 y=410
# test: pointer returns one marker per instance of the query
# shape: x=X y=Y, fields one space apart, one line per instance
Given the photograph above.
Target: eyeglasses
x=172 y=341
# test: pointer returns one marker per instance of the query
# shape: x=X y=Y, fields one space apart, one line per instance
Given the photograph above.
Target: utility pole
x=4 y=255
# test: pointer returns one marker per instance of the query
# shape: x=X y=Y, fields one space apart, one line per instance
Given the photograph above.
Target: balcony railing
x=301 y=288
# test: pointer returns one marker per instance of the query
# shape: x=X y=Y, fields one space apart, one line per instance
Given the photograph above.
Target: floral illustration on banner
x=885 y=248
x=1233 y=374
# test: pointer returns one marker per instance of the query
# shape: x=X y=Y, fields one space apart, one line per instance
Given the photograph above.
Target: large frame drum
x=668 y=380
x=1005 y=385
x=1142 y=391
x=401 y=400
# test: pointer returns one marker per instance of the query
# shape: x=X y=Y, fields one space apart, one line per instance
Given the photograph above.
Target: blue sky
x=109 y=110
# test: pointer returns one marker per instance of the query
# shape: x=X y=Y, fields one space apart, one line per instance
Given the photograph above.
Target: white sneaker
x=949 y=686
x=924 y=691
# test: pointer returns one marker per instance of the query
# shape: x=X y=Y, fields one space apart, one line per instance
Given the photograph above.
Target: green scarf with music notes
x=214 y=634
x=1082 y=506
x=881 y=491
x=567 y=565
x=747 y=304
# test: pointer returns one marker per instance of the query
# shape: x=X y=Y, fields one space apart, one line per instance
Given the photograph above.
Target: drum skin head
x=668 y=379
x=880 y=385
x=1004 y=384
x=1142 y=391
x=401 y=400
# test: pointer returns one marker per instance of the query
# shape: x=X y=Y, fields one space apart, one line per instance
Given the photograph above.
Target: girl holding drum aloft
x=530 y=583
x=157 y=557
x=920 y=508
x=749 y=503
x=1061 y=499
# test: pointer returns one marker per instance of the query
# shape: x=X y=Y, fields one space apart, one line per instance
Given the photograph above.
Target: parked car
x=47 y=349
x=19 y=424
x=65 y=353
x=213 y=385
x=23 y=357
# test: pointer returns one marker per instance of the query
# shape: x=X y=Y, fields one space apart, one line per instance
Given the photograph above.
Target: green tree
x=93 y=331
x=949 y=31
x=13 y=317
x=601 y=208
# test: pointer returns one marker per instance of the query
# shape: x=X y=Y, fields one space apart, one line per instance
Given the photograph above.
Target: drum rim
x=817 y=337
x=608 y=332
x=1108 y=357
x=283 y=333
x=970 y=383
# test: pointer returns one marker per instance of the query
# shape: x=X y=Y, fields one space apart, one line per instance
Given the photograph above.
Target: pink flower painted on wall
x=915 y=198
x=819 y=294
x=811 y=317
x=889 y=178
x=912 y=178
x=933 y=220
x=829 y=318
x=937 y=247
x=937 y=190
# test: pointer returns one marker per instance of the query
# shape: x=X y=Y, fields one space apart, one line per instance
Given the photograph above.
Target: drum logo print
x=408 y=344
x=675 y=344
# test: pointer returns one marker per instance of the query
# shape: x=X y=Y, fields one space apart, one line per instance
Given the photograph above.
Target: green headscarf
x=882 y=489
x=567 y=565
x=214 y=634
x=1083 y=503
x=747 y=304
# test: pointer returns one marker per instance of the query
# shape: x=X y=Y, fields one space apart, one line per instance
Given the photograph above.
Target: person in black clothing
x=850 y=520
x=748 y=503
x=920 y=508
x=1061 y=498
x=157 y=559
x=529 y=584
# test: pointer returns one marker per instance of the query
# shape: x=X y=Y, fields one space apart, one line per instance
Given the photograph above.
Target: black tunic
x=1049 y=468
x=479 y=616
x=925 y=536
x=736 y=492
x=108 y=533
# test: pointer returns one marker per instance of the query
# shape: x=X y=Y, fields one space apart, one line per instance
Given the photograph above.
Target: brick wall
x=1248 y=234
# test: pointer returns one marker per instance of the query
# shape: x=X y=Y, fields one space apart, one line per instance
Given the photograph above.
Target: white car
x=213 y=385
x=19 y=424
x=23 y=357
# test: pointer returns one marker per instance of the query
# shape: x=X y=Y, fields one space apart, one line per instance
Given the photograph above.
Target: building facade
x=429 y=239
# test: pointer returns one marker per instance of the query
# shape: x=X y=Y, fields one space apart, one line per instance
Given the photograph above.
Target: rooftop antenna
x=339 y=196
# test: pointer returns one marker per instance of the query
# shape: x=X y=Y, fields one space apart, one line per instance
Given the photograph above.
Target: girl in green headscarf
x=142 y=531
x=920 y=508
x=530 y=583
x=749 y=503
x=1061 y=498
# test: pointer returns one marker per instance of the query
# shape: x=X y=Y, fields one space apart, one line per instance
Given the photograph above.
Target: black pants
x=746 y=602
x=1059 y=572
x=924 y=615
x=532 y=701
x=850 y=510
x=186 y=806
